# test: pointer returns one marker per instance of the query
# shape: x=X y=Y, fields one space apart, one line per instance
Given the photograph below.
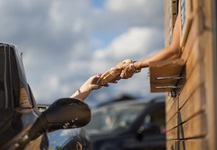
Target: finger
x=130 y=76
x=107 y=85
x=99 y=75
x=113 y=81
x=123 y=75
x=118 y=78
x=95 y=79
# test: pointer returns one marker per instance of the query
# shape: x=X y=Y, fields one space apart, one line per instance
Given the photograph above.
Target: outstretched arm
x=86 y=88
x=173 y=51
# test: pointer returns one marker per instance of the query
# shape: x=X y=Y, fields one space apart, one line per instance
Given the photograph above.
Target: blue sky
x=65 y=42
x=98 y=3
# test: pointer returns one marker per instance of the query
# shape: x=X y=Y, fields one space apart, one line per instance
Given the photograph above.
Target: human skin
x=86 y=88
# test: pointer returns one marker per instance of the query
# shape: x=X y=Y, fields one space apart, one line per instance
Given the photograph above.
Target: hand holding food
x=112 y=74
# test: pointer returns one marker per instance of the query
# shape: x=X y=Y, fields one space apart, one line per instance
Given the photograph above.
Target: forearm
x=170 y=52
x=81 y=93
x=164 y=54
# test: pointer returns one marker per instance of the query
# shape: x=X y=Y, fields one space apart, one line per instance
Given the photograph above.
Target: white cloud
x=134 y=43
x=126 y=5
x=55 y=37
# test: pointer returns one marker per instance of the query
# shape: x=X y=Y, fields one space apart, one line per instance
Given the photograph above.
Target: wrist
x=138 y=65
x=134 y=68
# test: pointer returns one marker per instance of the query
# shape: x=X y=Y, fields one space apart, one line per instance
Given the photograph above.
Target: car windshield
x=114 y=118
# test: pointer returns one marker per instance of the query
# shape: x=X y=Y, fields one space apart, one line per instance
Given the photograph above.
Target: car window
x=13 y=90
x=114 y=118
x=2 y=86
x=156 y=117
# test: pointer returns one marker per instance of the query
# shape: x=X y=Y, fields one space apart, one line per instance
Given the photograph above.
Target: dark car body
x=129 y=125
x=22 y=126
x=69 y=139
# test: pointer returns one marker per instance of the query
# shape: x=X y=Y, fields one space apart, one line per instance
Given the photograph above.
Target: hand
x=127 y=72
x=116 y=79
x=92 y=84
x=122 y=67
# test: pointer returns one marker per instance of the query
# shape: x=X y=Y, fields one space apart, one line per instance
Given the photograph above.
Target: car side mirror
x=64 y=113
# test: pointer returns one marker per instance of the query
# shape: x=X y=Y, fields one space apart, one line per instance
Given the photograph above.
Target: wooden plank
x=162 y=73
x=196 y=55
x=194 y=71
x=194 y=105
x=207 y=8
x=197 y=28
x=172 y=111
x=196 y=5
x=195 y=144
x=172 y=145
x=172 y=123
x=172 y=134
x=169 y=102
x=209 y=68
x=194 y=128
x=196 y=80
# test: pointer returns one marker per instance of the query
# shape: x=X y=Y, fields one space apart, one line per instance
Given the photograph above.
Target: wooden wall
x=190 y=117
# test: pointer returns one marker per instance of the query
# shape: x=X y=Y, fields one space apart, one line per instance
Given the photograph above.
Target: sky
x=65 y=42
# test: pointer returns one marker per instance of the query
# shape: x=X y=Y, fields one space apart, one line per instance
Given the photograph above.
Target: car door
x=149 y=132
x=152 y=131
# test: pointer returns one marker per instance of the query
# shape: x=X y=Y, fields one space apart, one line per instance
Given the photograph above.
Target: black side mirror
x=64 y=113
